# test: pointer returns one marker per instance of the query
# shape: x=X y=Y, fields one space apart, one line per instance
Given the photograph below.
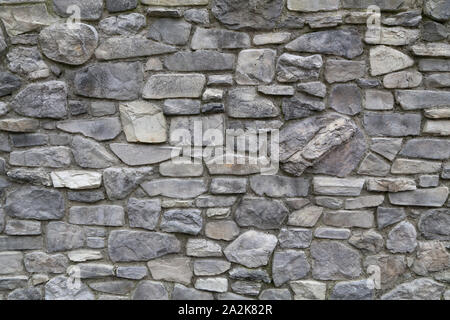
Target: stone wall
x=93 y=207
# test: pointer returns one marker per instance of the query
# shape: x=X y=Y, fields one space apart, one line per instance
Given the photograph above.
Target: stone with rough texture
x=181 y=292
x=432 y=256
x=70 y=44
x=389 y=216
x=421 y=99
x=353 y=290
x=89 y=9
x=177 y=269
x=345 y=43
x=432 y=197
x=289 y=265
x=409 y=166
x=291 y=68
x=150 y=290
x=255 y=66
x=170 y=31
x=125 y=24
x=200 y=60
x=301 y=106
x=387 y=147
x=251 y=249
x=175 y=188
x=245 y=102
x=163 y=86
x=120 y=182
x=306 y=217
x=99 y=129
x=187 y=221
x=349 y=218
x=219 y=39
x=58 y=289
x=143 y=213
x=344 y=70
x=27 y=62
x=62 y=236
x=102 y=215
x=434 y=224
x=367 y=241
x=419 y=289
x=385 y=60
x=346 y=99
x=402 y=238
x=40 y=262
x=338 y=187
x=138 y=155
x=9 y=83
x=399 y=124
x=402 y=80
x=308 y=290
x=130 y=47
x=76 y=179
x=261 y=213
x=278 y=186
x=90 y=154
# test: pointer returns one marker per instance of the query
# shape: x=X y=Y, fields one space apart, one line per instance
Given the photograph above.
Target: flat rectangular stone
x=22 y=227
x=332 y=233
x=175 y=3
x=219 y=39
x=163 y=86
x=364 y=202
x=313 y=6
x=349 y=219
x=392 y=124
x=138 y=155
x=104 y=215
x=271 y=38
x=435 y=197
x=433 y=149
x=11 y=262
x=437 y=113
x=421 y=99
x=430 y=65
x=21 y=243
x=410 y=166
x=337 y=186
x=434 y=49
x=390 y=184
x=441 y=128
x=385 y=5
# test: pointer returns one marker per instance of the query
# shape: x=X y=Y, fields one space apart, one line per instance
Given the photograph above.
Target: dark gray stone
x=289 y=265
x=435 y=224
x=86 y=196
x=9 y=243
x=99 y=129
x=345 y=43
x=436 y=149
x=437 y=9
x=150 y=290
x=389 y=216
x=346 y=99
x=120 y=182
x=42 y=100
x=129 y=246
x=241 y=273
x=406 y=19
x=35 y=203
x=125 y=24
x=91 y=10
x=52 y=157
x=201 y=60
x=181 y=292
x=219 y=39
x=236 y=14
x=261 y=213
x=187 y=221
x=29 y=139
x=301 y=106
x=117 y=81
x=431 y=197
x=400 y=125
x=170 y=31
x=275 y=294
x=402 y=238
x=433 y=31
x=8 y=83
x=244 y=102
x=90 y=154
x=23 y=294
x=120 y=5
x=101 y=215
x=143 y=213
x=353 y=290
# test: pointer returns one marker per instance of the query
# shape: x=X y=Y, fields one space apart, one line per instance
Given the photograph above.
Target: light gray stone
x=279 y=186
x=308 y=290
x=306 y=217
x=251 y=249
x=313 y=6
x=143 y=213
x=138 y=155
x=222 y=230
x=41 y=262
x=90 y=10
x=200 y=16
x=332 y=233
x=11 y=262
x=419 y=289
x=386 y=60
x=62 y=236
x=409 y=166
x=255 y=66
x=58 y=289
x=176 y=269
x=395 y=36
x=291 y=68
x=437 y=9
x=120 y=182
x=374 y=165
x=402 y=238
x=387 y=147
x=132 y=272
x=432 y=197
x=344 y=70
x=245 y=102
x=316 y=88
x=27 y=62
x=9 y=243
x=441 y=128
x=427 y=181
x=212 y=284
x=52 y=157
x=181 y=292
x=128 y=246
x=409 y=18
x=337 y=186
x=203 y=248
x=219 y=39
x=378 y=100
x=150 y=290
x=163 y=86
x=16 y=227
x=402 y=79
x=228 y=185
x=175 y=188
x=113 y=287
x=275 y=294
x=210 y=267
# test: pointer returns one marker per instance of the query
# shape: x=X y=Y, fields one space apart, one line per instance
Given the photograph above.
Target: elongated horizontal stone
x=392 y=124
x=19 y=125
x=76 y=179
x=261 y=213
x=434 y=197
x=138 y=155
x=271 y=38
x=385 y=5
x=421 y=99
x=201 y=60
x=175 y=188
x=390 y=184
x=349 y=218
x=219 y=39
x=363 y=202
x=128 y=246
x=313 y=6
x=105 y=215
x=13 y=243
x=163 y=86
x=434 y=149
x=441 y=128
x=434 y=65
x=174 y=3
x=344 y=70
x=337 y=187
x=410 y=166
x=130 y=47
x=52 y=157
x=396 y=36
x=278 y=186
x=433 y=49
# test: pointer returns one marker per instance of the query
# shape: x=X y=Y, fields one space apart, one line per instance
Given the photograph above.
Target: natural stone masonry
x=103 y=173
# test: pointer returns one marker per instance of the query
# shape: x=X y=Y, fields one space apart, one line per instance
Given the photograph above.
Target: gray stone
x=308 y=290
x=123 y=25
x=22 y=227
x=28 y=63
x=90 y=10
x=395 y=36
x=333 y=260
x=251 y=249
x=289 y=265
x=19 y=125
x=419 y=289
x=306 y=217
x=90 y=154
x=406 y=19
x=84 y=255
x=11 y=262
x=200 y=16
x=120 y=5
x=353 y=290
x=219 y=39
x=120 y=182
x=433 y=31
x=214 y=201
x=408 y=166
x=170 y=31
x=427 y=181
x=222 y=230
x=203 y=248
x=316 y=88
x=329 y=202
x=187 y=221
x=436 y=149
x=180 y=107
x=337 y=187
x=402 y=79
x=389 y=216
x=181 y=292
x=279 y=186
x=332 y=233
x=52 y=157
x=421 y=99
x=8 y=83
x=177 y=269
x=201 y=60
x=138 y=155
x=384 y=5
x=276 y=90
x=379 y=100
x=437 y=9
x=346 y=43
x=113 y=287
x=346 y=99
x=143 y=213
x=255 y=66
x=29 y=140
x=103 y=215
x=244 y=102
x=117 y=81
x=349 y=218
x=12 y=282
x=275 y=294
x=387 y=147
x=23 y=294
x=212 y=284
x=434 y=65
x=70 y=44
x=385 y=60
x=99 y=129
x=432 y=256
x=163 y=86
x=291 y=68
x=344 y=70
x=132 y=272
x=62 y=236
x=399 y=124
x=150 y=290
x=271 y=38
x=42 y=100
x=432 y=197
x=35 y=203
x=210 y=267
x=128 y=246
x=228 y=185
x=58 y=289
x=374 y=165
x=261 y=213
x=262 y=14
x=241 y=273
x=246 y=287
x=438 y=80
x=435 y=224
x=312 y=6
x=175 y=188
x=183 y=168
x=301 y=106
x=392 y=267
x=41 y=262
x=402 y=238
x=8 y=243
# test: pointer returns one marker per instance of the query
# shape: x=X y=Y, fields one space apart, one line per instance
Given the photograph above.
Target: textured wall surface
x=94 y=207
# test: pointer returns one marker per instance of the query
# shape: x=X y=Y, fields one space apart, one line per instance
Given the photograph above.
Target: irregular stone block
x=62 y=236
x=177 y=269
x=289 y=265
x=175 y=188
x=386 y=60
x=41 y=262
x=435 y=149
x=89 y=9
x=245 y=103
x=219 y=39
x=255 y=66
x=163 y=86
x=291 y=68
x=419 y=289
x=76 y=179
x=346 y=99
x=187 y=221
x=261 y=213
x=278 y=186
x=344 y=70
x=104 y=215
x=337 y=187
x=201 y=60
x=348 y=218
x=433 y=197
x=435 y=224
x=399 y=124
